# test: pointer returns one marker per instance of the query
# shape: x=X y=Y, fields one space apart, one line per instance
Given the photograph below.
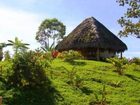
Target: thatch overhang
x=91 y=34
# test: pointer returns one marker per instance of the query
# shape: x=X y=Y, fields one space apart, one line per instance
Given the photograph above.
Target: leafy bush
x=5 y=70
x=44 y=59
x=119 y=64
x=54 y=53
x=27 y=83
x=135 y=60
x=27 y=71
x=32 y=96
x=136 y=67
x=70 y=55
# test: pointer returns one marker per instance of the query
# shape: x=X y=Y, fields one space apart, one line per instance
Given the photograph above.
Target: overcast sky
x=21 y=18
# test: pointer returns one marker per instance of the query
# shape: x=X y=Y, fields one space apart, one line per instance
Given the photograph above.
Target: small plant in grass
x=78 y=82
x=119 y=64
x=74 y=79
x=103 y=100
x=71 y=75
x=98 y=101
x=116 y=83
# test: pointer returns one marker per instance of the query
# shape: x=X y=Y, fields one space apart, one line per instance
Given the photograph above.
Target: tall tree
x=18 y=45
x=130 y=22
x=50 y=29
x=2 y=45
x=7 y=55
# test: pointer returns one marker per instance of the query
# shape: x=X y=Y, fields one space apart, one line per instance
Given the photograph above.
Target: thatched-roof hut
x=93 y=40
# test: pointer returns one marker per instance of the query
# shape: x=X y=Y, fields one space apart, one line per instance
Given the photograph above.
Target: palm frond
x=10 y=41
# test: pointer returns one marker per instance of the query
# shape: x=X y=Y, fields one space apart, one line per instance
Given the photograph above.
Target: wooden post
x=121 y=55
x=98 y=54
x=0 y=100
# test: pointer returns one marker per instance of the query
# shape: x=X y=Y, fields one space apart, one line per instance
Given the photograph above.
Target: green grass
x=120 y=90
x=81 y=82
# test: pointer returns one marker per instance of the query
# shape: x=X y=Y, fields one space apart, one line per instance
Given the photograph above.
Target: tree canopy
x=130 y=22
x=2 y=45
x=50 y=29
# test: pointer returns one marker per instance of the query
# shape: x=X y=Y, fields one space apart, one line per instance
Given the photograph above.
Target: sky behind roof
x=22 y=18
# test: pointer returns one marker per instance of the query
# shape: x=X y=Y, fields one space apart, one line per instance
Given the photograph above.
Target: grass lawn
x=81 y=82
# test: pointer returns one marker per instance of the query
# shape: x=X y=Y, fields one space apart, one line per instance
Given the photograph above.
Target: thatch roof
x=91 y=34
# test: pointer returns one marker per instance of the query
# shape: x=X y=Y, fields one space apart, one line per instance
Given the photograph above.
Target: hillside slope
x=84 y=82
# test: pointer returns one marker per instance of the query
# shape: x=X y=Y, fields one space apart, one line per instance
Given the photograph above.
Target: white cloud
x=21 y=24
x=18 y=23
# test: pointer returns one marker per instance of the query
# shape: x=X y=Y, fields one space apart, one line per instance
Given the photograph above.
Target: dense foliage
x=43 y=77
x=27 y=71
x=130 y=22
x=24 y=80
x=48 y=77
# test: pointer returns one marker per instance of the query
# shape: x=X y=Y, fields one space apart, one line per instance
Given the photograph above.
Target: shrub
x=119 y=64
x=136 y=67
x=5 y=70
x=27 y=82
x=70 y=55
x=45 y=59
x=32 y=96
x=135 y=60
x=27 y=71
x=54 y=53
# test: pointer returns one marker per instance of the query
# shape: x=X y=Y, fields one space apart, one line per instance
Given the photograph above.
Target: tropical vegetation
x=36 y=78
x=47 y=77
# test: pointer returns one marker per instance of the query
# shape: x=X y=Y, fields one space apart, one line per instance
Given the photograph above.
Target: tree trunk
x=98 y=54
x=0 y=100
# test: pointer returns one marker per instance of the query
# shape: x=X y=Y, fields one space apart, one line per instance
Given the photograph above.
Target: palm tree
x=18 y=45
